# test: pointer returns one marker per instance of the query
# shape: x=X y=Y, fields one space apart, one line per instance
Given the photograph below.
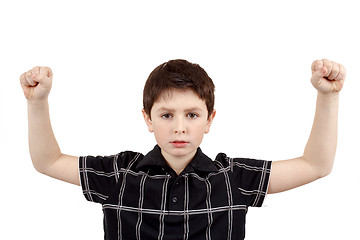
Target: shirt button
x=174 y=199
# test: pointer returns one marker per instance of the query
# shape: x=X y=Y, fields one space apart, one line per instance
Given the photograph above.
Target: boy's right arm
x=44 y=149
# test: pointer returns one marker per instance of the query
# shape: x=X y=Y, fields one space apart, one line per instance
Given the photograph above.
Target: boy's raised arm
x=319 y=154
x=44 y=149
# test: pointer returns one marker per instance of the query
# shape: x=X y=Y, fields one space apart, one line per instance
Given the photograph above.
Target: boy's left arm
x=317 y=161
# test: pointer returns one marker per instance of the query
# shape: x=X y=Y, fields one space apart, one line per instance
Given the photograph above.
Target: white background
x=258 y=54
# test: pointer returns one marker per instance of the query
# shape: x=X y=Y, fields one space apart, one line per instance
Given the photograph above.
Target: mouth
x=179 y=143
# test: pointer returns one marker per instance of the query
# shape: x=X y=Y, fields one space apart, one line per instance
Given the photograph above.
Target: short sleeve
x=252 y=177
x=98 y=176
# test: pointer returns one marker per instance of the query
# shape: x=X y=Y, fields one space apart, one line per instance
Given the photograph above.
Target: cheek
x=199 y=129
x=160 y=132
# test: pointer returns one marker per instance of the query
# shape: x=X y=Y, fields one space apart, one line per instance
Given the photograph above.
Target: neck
x=178 y=164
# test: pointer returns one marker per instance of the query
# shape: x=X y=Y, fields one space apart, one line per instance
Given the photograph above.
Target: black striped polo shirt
x=143 y=198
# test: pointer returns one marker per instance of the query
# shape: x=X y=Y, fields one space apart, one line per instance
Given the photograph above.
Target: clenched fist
x=36 y=83
x=327 y=76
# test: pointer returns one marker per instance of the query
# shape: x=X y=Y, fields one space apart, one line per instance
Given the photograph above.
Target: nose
x=176 y=131
x=180 y=126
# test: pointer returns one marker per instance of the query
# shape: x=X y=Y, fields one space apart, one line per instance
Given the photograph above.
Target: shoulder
x=128 y=157
x=224 y=161
x=123 y=159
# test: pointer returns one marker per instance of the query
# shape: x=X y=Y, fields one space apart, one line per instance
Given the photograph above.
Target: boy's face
x=179 y=121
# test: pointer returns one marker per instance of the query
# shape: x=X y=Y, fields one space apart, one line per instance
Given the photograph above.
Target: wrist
x=38 y=102
x=330 y=96
x=328 y=100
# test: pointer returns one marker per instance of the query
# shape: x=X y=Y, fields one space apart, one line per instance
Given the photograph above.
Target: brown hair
x=178 y=74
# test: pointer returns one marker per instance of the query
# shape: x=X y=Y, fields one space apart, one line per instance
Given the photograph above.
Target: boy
x=175 y=191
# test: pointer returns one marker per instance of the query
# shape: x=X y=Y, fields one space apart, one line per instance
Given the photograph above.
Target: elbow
x=321 y=168
x=42 y=167
x=324 y=171
x=39 y=168
x=44 y=164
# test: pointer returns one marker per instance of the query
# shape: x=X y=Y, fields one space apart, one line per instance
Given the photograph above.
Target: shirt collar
x=200 y=162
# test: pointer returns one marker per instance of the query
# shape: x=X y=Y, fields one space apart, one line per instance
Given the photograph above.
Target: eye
x=192 y=115
x=166 y=116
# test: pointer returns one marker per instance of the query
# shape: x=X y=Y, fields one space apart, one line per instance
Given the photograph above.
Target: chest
x=188 y=192
x=166 y=205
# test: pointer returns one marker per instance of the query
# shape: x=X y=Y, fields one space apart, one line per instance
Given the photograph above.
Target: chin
x=182 y=152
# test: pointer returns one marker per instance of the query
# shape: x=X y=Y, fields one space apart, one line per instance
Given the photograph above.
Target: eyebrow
x=165 y=109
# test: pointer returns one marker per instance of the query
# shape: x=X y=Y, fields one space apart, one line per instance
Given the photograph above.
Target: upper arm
x=292 y=173
x=65 y=168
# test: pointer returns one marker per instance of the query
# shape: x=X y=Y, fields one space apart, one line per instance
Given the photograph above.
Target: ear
x=209 y=121
x=147 y=120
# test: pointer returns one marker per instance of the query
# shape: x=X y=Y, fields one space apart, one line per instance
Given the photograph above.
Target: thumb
x=44 y=81
x=320 y=73
x=318 y=76
x=323 y=71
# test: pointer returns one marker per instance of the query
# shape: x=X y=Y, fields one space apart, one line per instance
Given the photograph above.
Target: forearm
x=44 y=149
x=321 y=147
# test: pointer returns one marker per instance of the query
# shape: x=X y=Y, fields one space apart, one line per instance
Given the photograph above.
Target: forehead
x=177 y=98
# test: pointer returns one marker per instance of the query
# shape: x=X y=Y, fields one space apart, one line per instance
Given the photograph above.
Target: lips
x=179 y=143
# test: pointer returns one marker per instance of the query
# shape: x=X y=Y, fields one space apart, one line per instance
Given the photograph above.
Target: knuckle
x=328 y=63
x=22 y=78
x=342 y=75
x=35 y=69
x=46 y=71
x=343 y=68
x=316 y=65
x=50 y=73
